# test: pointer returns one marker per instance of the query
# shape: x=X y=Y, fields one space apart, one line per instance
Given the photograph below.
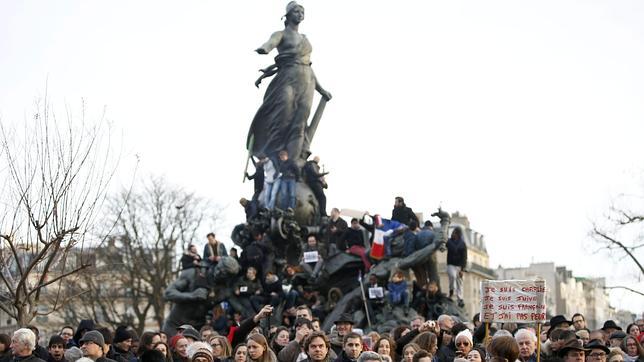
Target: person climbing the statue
x=315 y=179
x=288 y=174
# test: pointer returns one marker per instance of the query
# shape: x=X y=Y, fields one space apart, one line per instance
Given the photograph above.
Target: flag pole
x=539 y=342
x=251 y=143
x=364 y=299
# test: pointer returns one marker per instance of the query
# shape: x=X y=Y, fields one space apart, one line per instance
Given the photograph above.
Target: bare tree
x=154 y=223
x=621 y=232
x=54 y=181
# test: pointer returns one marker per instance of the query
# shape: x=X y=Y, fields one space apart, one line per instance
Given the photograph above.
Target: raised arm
x=271 y=44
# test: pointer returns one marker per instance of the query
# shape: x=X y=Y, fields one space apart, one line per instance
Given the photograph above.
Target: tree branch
x=626 y=288
x=621 y=245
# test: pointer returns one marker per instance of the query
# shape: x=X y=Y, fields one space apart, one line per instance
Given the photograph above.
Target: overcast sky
x=526 y=116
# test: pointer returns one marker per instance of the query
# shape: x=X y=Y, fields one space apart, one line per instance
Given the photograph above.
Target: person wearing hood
x=84 y=326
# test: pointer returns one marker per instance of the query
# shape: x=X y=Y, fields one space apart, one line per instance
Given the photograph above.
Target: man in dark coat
x=314 y=178
x=337 y=226
x=351 y=348
x=121 y=345
x=402 y=213
x=39 y=351
x=258 y=176
x=92 y=345
x=456 y=263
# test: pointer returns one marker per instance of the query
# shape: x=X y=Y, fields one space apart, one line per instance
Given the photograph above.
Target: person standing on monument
x=258 y=177
x=288 y=175
x=402 y=213
x=280 y=123
x=456 y=263
x=315 y=179
x=213 y=250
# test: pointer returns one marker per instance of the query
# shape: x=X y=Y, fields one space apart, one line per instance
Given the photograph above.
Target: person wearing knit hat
x=463 y=342
x=200 y=352
x=122 y=344
x=72 y=354
x=92 y=344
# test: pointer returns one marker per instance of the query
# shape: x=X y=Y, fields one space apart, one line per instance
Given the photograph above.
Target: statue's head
x=294 y=13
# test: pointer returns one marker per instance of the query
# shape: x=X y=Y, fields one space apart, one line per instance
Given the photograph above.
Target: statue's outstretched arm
x=271 y=44
x=175 y=292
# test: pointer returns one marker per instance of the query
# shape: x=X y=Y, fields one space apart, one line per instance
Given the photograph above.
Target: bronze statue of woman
x=280 y=123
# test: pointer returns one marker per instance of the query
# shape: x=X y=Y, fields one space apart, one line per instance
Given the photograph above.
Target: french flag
x=382 y=229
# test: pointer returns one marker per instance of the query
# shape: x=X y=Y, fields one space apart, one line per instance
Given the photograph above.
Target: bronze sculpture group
x=282 y=124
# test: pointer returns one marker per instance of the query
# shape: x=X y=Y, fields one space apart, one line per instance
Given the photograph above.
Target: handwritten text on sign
x=513 y=301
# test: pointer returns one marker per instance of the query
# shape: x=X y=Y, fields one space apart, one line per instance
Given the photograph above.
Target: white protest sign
x=513 y=301
x=311 y=256
x=376 y=293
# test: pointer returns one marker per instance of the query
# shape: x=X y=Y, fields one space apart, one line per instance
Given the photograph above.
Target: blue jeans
x=271 y=194
x=268 y=195
x=287 y=191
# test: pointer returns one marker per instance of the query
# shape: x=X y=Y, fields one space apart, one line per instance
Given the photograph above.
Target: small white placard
x=243 y=289
x=311 y=257
x=375 y=293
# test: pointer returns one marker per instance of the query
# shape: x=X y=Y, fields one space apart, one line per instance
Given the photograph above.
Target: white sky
x=526 y=116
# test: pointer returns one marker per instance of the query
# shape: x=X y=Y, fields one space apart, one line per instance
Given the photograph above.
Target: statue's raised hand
x=326 y=94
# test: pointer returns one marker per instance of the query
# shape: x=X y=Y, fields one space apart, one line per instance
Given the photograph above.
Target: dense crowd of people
x=446 y=339
x=260 y=278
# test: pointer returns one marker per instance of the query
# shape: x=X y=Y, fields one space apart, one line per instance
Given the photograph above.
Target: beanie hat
x=93 y=336
x=203 y=353
x=121 y=334
x=73 y=353
x=200 y=349
x=464 y=334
